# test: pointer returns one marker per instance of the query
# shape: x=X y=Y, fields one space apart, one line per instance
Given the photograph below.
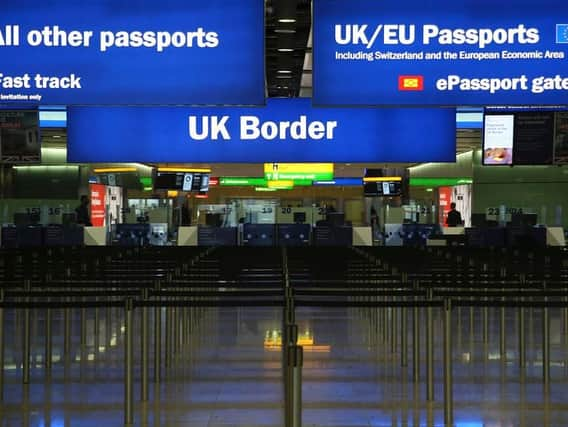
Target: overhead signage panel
x=469 y=52
x=299 y=171
x=286 y=130
x=142 y=52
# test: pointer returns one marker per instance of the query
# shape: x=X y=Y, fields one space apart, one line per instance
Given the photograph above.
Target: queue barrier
x=290 y=295
x=293 y=360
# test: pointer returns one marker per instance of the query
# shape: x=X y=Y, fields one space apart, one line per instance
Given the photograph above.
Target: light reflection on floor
x=227 y=373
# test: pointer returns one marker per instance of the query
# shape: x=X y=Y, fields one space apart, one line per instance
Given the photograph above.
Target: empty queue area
x=264 y=336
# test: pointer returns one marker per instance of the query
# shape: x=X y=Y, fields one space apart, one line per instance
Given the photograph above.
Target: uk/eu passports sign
x=443 y=52
x=132 y=52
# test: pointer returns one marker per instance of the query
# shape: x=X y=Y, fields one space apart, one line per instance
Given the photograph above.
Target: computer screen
x=382 y=189
x=20 y=141
x=299 y=217
x=187 y=182
x=181 y=181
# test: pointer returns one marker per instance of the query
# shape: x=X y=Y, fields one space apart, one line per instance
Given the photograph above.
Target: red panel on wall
x=444 y=200
x=98 y=205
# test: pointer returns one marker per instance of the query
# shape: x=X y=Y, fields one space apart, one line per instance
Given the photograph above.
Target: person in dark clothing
x=454 y=217
x=185 y=215
x=82 y=211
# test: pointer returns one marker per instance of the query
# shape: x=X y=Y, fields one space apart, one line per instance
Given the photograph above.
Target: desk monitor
x=529 y=220
x=336 y=218
x=478 y=220
x=69 y=218
x=299 y=217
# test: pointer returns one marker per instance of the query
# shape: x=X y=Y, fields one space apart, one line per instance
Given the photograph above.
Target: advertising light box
x=143 y=52
x=286 y=130
x=469 y=52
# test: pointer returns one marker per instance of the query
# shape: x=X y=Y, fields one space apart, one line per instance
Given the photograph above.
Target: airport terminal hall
x=283 y=213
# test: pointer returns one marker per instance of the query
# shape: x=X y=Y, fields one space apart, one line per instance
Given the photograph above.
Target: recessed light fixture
x=284 y=71
x=56 y=136
x=284 y=76
x=287 y=20
x=285 y=49
x=285 y=31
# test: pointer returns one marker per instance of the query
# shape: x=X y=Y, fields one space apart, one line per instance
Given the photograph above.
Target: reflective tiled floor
x=226 y=371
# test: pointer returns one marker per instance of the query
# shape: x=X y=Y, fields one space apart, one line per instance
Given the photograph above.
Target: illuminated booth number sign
x=508 y=211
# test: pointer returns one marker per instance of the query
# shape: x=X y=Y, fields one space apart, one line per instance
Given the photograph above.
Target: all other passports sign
x=143 y=52
x=286 y=130
x=444 y=52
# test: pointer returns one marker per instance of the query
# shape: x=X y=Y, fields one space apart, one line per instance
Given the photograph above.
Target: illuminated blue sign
x=286 y=130
x=344 y=182
x=141 y=52
x=469 y=52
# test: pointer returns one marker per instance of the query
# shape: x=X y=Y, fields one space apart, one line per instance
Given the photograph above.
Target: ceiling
x=288 y=24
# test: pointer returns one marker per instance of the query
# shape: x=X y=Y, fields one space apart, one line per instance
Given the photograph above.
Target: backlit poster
x=498 y=139
x=98 y=204
x=444 y=200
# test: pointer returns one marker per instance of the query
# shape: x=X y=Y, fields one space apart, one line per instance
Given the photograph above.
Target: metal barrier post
x=108 y=325
x=48 y=343
x=502 y=337
x=546 y=348
x=416 y=340
x=96 y=330
x=289 y=340
x=157 y=341
x=522 y=349
x=471 y=324
x=83 y=335
x=145 y=347
x=293 y=411
x=384 y=322
x=67 y=335
x=128 y=364
x=448 y=374
x=403 y=337
x=485 y=332
x=1 y=346
x=394 y=326
x=565 y=312
x=176 y=331
x=168 y=342
x=26 y=352
x=27 y=338
x=429 y=351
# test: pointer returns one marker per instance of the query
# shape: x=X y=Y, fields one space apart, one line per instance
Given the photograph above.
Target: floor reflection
x=224 y=368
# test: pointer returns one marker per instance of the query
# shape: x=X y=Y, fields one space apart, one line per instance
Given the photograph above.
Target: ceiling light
x=285 y=49
x=285 y=31
x=284 y=71
x=175 y=169
x=114 y=170
x=287 y=20
x=56 y=136
x=285 y=76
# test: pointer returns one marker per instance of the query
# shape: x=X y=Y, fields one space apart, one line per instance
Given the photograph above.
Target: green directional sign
x=242 y=181
x=304 y=176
